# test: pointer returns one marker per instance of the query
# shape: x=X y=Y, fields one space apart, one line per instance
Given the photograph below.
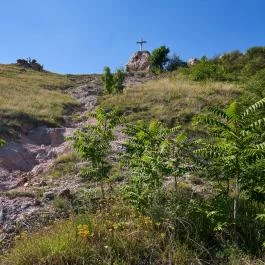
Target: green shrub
x=254 y=60
x=159 y=58
x=118 y=79
x=113 y=83
x=206 y=70
x=236 y=142
x=256 y=84
x=152 y=152
x=107 y=78
x=93 y=145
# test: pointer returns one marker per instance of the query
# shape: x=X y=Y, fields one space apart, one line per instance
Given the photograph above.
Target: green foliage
x=33 y=98
x=243 y=65
x=93 y=144
x=232 y=62
x=2 y=142
x=107 y=78
x=113 y=83
x=231 y=66
x=64 y=166
x=152 y=152
x=206 y=70
x=254 y=60
x=118 y=80
x=159 y=58
x=114 y=235
x=237 y=143
x=256 y=85
x=171 y=99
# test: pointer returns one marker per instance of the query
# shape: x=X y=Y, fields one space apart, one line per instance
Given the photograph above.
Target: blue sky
x=83 y=36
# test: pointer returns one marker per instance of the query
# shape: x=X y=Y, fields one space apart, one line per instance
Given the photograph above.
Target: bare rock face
x=39 y=146
x=139 y=62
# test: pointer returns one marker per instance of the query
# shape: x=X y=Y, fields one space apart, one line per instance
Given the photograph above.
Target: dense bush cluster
x=149 y=219
x=30 y=63
x=232 y=154
x=232 y=66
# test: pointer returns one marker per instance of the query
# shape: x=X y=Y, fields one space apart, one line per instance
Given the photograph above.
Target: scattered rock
x=9 y=228
x=43 y=183
x=49 y=195
x=22 y=181
x=65 y=194
x=37 y=202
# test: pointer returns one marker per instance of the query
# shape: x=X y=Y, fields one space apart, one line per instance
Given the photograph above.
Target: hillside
x=29 y=98
x=118 y=190
x=171 y=99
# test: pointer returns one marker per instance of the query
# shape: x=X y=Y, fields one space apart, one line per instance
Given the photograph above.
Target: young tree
x=237 y=142
x=118 y=80
x=93 y=145
x=113 y=83
x=159 y=58
x=153 y=152
x=107 y=78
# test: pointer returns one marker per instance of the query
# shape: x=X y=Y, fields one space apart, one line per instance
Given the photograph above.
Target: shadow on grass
x=13 y=122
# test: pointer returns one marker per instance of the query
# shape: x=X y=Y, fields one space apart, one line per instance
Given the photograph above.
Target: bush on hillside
x=256 y=84
x=254 y=60
x=30 y=63
x=232 y=66
x=206 y=70
x=118 y=79
x=174 y=63
x=232 y=63
x=107 y=79
x=159 y=58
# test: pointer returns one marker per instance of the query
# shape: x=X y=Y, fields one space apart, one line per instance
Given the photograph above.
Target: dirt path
x=23 y=163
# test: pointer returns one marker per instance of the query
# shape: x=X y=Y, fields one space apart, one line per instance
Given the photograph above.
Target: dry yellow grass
x=30 y=97
x=170 y=99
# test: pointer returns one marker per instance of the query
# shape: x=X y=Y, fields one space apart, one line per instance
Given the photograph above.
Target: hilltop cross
x=141 y=42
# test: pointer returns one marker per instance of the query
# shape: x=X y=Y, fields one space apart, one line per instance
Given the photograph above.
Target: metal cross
x=141 y=42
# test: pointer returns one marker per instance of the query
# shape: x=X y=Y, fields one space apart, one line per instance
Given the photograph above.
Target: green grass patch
x=117 y=234
x=170 y=99
x=30 y=98
x=16 y=194
x=64 y=165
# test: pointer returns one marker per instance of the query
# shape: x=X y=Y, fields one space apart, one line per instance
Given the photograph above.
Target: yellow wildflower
x=83 y=231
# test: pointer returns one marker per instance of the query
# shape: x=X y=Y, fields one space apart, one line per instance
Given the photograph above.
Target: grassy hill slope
x=170 y=99
x=177 y=227
x=29 y=97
